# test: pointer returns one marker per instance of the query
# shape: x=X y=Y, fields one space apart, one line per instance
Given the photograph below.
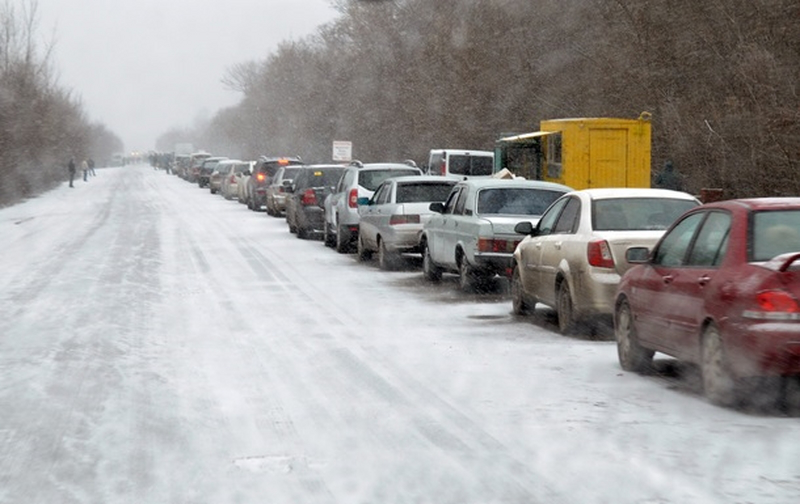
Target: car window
x=422 y=191
x=637 y=214
x=435 y=164
x=460 y=164
x=371 y=179
x=450 y=204
x=673 y=247
x=548 y=220
x=712 y=241
x=567 y=222
x=461 y=203
x=381 y=195
x=515 y=201
x=774 y=232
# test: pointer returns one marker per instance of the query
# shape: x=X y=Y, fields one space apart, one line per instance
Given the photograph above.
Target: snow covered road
x=159 y=344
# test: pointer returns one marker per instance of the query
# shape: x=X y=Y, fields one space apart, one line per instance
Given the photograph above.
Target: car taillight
x=309 y=197
x=774 y=305
x=260 y=177
x=233 y=179
x=497 y=246
x=777 y=301
x=599 y=254
x=403 y=219
x=352 y=200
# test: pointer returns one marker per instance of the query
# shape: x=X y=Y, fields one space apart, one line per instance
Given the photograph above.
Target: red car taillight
x=309 y=197
x=497 y=246
x=774 y=305
x=232 y=180
x=777 y=301
x=352 y=200
x=403 y=219
x=599 y=254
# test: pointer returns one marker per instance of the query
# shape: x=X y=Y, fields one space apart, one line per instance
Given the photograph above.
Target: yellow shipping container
x=582 y=152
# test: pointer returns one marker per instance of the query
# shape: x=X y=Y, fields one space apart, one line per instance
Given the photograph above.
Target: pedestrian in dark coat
x=71 y=168
x=669 y=178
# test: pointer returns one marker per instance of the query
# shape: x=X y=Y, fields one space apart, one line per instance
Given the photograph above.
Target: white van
x=460 y=163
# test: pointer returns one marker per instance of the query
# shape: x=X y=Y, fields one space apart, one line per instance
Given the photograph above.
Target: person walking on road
x=71 y=168
x=85 y=168
x=91 y=167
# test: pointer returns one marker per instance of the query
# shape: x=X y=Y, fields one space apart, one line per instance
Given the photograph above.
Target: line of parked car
x=716 y=285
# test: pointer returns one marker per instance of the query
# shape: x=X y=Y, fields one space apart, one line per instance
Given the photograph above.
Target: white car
x=392 y=220
x=341 y=207
x=473 y=234
x=573 y=259
x=233 y=177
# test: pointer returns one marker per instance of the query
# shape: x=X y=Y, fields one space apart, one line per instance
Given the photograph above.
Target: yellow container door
x=608 y=157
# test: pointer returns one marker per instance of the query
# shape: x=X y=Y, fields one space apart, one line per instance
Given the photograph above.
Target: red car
x=720 y=289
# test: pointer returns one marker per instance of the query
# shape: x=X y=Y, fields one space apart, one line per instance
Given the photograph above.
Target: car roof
x=384 y=166
x=465 y=152
x=481 y=183
x=633 y=192
x=774 y=203
x=422 y=178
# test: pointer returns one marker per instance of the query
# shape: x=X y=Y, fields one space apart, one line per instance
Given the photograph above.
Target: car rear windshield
x=637 y=214
x=515 y=200
x=327 y=177
x=241 y=168
x=371 y=179
x=290 y=173
x=471 y=165
x=423 y=191
x=775 y=232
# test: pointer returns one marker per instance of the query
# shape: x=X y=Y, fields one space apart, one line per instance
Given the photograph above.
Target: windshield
x=775 y=232
x=371 y=179
x=515 y=201
x=423 y=191
x=637 y=214
x=471 y=165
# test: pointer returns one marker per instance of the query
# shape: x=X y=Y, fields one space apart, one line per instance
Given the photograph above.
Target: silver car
x=472 y=233
x=391 y=221
x=573 y=259
x=276 y=190
x=341 y=207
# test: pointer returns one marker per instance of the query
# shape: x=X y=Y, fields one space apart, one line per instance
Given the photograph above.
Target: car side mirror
x=436 y=206
x=637 y=255
x=524 y=228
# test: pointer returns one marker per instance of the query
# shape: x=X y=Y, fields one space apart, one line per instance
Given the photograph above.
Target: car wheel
x=302 y=233
x=521 y=304
x=342 y=245
x=328 y=236
x=718 y=383
x=430 y=271
x=387 y=260
x=565 y=310
x=632 y=356
x=466 y=278
x=362 y=253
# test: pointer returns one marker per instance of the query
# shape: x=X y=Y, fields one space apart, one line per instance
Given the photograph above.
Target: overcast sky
x=142 y=67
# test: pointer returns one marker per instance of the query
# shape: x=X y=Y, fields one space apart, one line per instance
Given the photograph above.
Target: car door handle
x=557 y=245
x=703 y=280
x=667 y=279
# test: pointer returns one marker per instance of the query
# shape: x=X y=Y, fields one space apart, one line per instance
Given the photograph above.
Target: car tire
x=632 y=356
x=565 y=310
x=466 y=278
x=387 y=260
x=328 y=237
x=342 y=245
x=521 y=303
x=719 y=385
x=430 y=271
x=362 y=253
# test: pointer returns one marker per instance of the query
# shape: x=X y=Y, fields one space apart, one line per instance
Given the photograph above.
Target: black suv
x=263 y=171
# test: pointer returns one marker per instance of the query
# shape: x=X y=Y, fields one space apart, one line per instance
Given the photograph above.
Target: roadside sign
x=342 y=150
